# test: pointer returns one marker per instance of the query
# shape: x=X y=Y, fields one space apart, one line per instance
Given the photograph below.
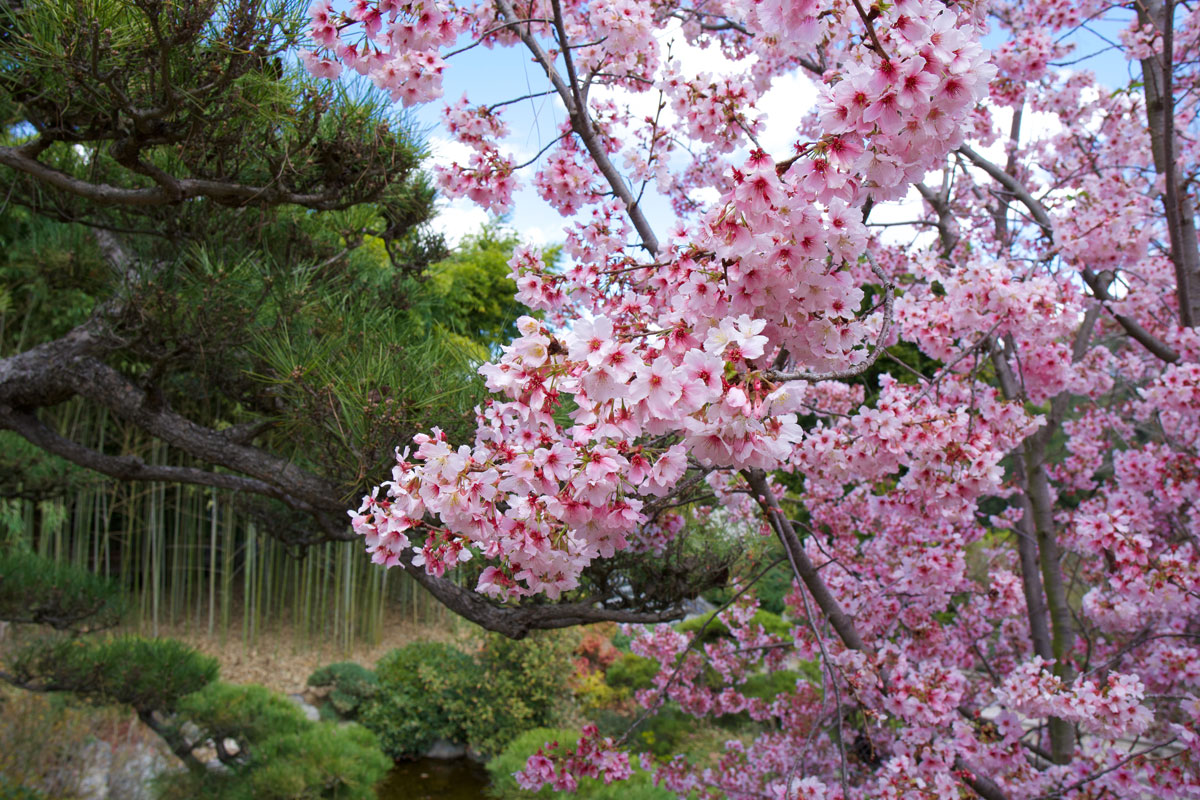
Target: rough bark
x=1157 y=80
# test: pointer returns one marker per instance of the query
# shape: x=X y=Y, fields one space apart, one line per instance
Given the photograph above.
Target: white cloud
x=458 y=218
x=790 y=97
x=443 y=152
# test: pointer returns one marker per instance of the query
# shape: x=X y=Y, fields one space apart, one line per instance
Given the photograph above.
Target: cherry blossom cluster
x=1113 y=708
x=984 y=445
x=560 y=767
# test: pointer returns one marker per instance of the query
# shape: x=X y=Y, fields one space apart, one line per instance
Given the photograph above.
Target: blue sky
x=490 y=75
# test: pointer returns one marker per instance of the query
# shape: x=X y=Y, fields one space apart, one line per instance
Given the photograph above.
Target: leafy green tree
x=206 y=248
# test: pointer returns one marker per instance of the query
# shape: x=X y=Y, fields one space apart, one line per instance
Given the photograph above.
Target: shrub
x=524 y=685
x=281 y=755
x=353 y=686
x=148 y=674
x=429 y=691
x=631 y=672
x=422 y=697
x=595 y=650
x=640 y=785
x=772 y=623
x=249 y=714
x=65 y=597
x=663 y=731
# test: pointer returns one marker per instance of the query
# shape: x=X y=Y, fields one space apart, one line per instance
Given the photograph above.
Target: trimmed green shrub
x=65 y=597
x=328 y=760
x=281 y=755
x=148 y=674
x=249 y=714
x=422 y=697
x=524 y=685
x=353 y=685
x=631 y=672
x=640 y=785
x=429 y=691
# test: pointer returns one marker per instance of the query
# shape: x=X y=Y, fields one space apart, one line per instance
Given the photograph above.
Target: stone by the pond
x=444 y=749
x=310 y=711
x=696 y=607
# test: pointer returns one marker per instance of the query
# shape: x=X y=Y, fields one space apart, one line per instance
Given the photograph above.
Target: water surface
x=433 y=779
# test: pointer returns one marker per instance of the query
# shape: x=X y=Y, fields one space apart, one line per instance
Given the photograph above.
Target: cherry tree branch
x=801 y=564
x=1154 y=345
x=1157 y=86
x=581 y=122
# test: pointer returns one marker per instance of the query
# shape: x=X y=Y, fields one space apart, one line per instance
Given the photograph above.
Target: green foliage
x=429 y=691
x=504 y=787
x=524 y=683
x=148 y=674
x=663 y=732
x=772 y=586
x=769 y=685
x=631 y=672
x=353 y=685
x=282 y=756
x=213 y=98
x=421 y=697
x=36 y=589
x=716 y=629
x=250 y=714
x=474 y=291
x=327 y=760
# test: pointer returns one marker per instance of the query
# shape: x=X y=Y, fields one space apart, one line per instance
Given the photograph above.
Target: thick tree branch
x=1037 y=546
x=1157 y=85
x=805 y=570
x=171 y=191
x=130 y=468
x=516 y=622
x=57 y=370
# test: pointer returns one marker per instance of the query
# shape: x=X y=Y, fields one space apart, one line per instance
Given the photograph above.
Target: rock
x=310 y=711
x=123 y=771
x=231 y=746
x=97 y=758
x=697 y=607
x=190 y=732
x=444 y=750
x=131 y=780
x=205 y=753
